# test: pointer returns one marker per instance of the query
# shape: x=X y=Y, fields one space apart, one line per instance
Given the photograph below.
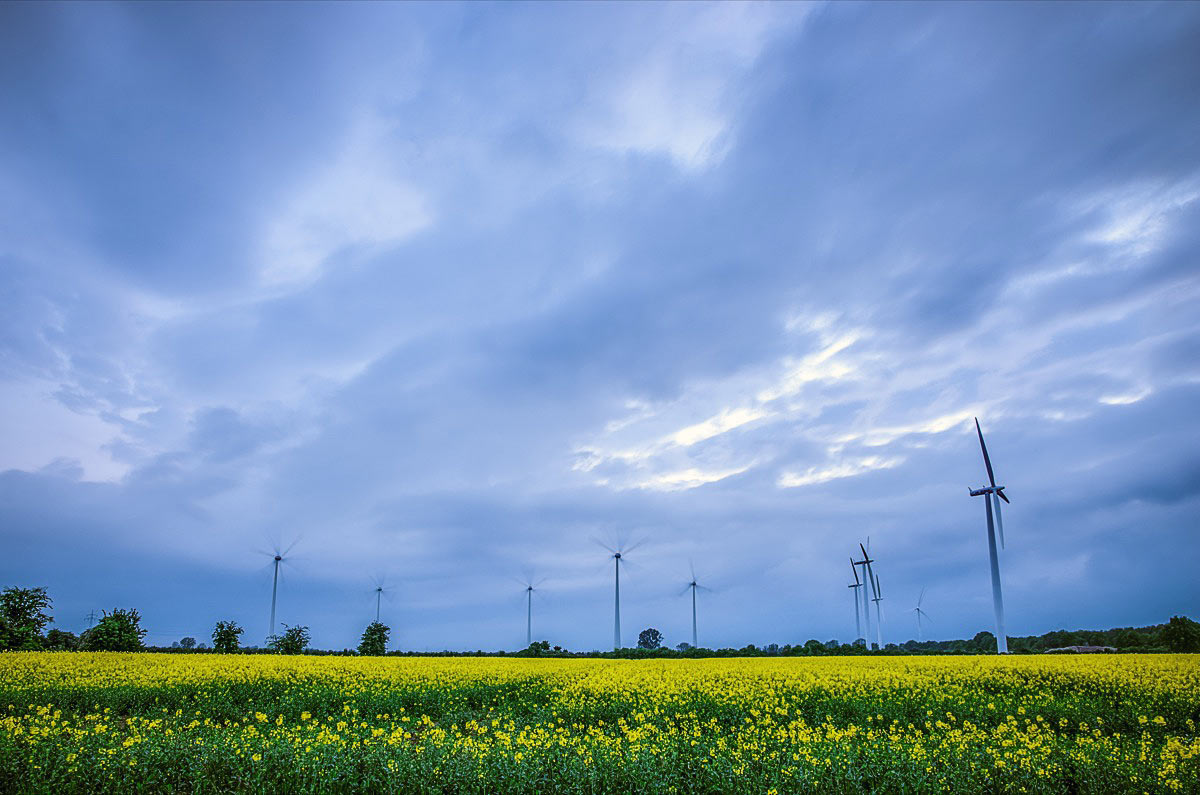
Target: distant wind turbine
x=991 y=496
x=529 y=589
x=380 y=590
x=866 y=575
x=878 y=610
x=618 y=557
x=692 y=586
x=278 y=557
x=855 y=586
x=920 y=613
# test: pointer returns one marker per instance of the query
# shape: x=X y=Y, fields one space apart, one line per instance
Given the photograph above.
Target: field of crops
x=121 y=722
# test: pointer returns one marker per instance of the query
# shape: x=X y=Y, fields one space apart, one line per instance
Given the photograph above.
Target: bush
x=61 y=640
x=225 y=637
x=294 y=640
x=119 y=630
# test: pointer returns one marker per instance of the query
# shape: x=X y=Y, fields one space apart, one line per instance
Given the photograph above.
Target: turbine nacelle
x=997 y=490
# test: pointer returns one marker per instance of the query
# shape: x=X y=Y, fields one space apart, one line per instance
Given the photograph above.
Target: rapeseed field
x=76 y=722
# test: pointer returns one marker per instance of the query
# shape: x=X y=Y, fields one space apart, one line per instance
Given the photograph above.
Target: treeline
x=25 y=616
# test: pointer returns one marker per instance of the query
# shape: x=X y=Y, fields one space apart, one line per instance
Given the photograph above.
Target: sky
x=451 y=296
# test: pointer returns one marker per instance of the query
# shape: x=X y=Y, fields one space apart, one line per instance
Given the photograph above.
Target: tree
x=814 y=646
x=225 y=637
x=1181 y=634
x=294 y=640
x=61 y=640
x=23 y=617
x=683 y=646
x=374 y=640
x=650 y=639
x=187 y=643
x=119 y=630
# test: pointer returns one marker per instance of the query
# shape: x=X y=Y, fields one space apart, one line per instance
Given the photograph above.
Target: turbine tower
x=920 y=613
x=380 y=590
x=529 y=589
x=992 y=495
x=618 y=557
x=878 y=611
x=277 y=558
x=857 y=613
x=692 y=586
x=866 y=606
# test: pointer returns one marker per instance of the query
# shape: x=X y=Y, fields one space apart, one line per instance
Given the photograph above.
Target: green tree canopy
x=650 y=639
x=119 y=630
x=1181 y=634
x=225 y=637
x=374 y=639
x=23 y=617
x=294 y=640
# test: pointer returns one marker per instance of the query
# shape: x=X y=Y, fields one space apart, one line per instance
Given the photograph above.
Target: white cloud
x=684 y=479
x=845 y=469
x=727 y=420
x=359 y=200
x=1125 y=399
x=679 y=99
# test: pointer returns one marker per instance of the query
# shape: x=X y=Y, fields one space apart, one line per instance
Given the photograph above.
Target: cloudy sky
x=443 y=293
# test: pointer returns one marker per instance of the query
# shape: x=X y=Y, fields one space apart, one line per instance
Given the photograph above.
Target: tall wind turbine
x=529 y=589
x=878 y=611
x=866 y=568
x=618 y=557
x=920 y=613
x=856 y=585
x=991 y=496
x=693 y=585
x=278 y=558
x=380 y=590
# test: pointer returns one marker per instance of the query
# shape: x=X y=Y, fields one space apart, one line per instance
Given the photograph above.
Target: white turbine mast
x=920 y=614
x=992 y=495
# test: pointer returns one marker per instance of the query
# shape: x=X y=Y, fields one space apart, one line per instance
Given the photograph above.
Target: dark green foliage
x=374 y=639
x=119 y=630
x=22 y=618
x=650 y=639
x=61 y=640
x=225 y=637
x=187 y=643
x=294 y=640
x=1181 y=634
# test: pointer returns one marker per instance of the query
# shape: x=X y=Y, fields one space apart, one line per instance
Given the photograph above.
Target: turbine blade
x=633 y=546
x=692 y=568
x=864 y=551
x=920 y=598
x=604 y=545
x=1003 y=496
x=854 y=569
x=986 y=461
x=686 y=588
x=999 y=519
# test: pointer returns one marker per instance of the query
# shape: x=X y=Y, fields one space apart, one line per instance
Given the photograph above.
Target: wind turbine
x=878 y=610
x=380 y=590
x=866 y=566
x=278 y=558
x=693 y=585
x=920 y=613
x=529 y=589
x=856 y=585
x=991 y=496
x=618 y=556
